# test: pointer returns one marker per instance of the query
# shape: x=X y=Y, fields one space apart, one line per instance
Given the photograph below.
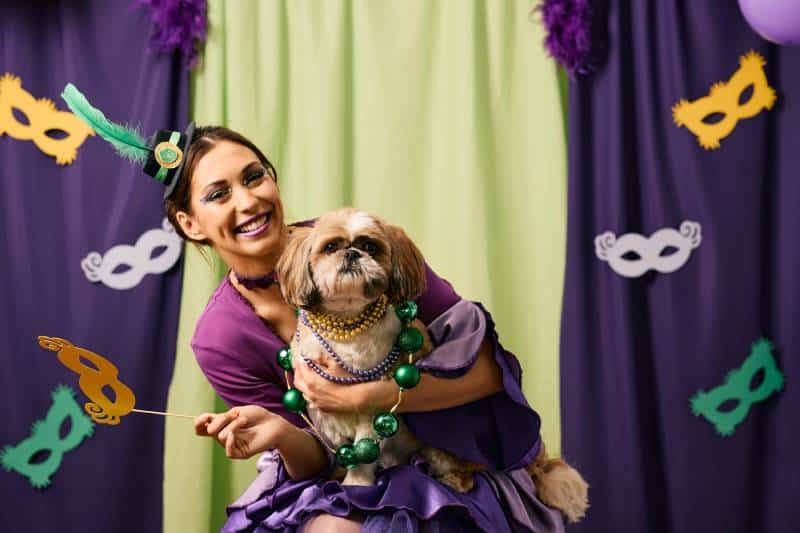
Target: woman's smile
x=254 y=226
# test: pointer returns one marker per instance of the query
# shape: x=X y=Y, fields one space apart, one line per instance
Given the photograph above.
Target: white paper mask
x=137 y=258
x=649 y=252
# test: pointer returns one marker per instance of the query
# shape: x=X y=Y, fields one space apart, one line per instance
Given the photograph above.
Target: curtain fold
x=442 y=117
x=636 y=349
x=51 y=217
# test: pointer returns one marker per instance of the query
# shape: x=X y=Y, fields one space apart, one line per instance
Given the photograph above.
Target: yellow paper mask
x=92 y=380
x=724 y=98
x=43 y=117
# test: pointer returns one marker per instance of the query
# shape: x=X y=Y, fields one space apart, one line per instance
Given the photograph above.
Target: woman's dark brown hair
x=203 y=140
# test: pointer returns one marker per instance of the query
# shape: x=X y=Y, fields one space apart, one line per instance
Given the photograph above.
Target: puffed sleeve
x=500 y=431
x=236 y=352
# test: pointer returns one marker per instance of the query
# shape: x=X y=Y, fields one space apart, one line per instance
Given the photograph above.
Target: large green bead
x=385 y=425
x=346 y=456
x=407 y=376
x=293 y=400
x=406 y=312
x=410 y=340
x=285 y=358
x=367 y=451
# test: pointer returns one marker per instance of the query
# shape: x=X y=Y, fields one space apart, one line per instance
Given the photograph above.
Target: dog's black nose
x=352 y=254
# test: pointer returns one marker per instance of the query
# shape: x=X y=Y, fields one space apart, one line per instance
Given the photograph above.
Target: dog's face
x=347 y=260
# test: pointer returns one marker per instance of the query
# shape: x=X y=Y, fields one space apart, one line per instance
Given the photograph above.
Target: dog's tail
x=560 y=486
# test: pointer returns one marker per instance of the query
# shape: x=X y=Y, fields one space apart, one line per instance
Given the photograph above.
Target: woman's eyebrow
x=243 y=172
x=213 y=184
x=249 y=166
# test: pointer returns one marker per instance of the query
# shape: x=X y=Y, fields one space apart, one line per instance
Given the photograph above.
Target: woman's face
x=235 y=206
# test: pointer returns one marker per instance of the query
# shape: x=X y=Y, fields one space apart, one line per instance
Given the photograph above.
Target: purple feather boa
x=178 y=24
x=568 y=23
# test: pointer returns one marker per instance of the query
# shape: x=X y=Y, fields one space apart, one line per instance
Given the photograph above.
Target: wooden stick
x=161 y=413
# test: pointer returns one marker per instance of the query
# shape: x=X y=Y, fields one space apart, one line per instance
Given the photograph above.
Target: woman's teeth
x=254 y=225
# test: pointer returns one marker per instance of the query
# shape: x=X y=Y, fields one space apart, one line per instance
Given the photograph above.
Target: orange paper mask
x=92 y=380
x=43 y=117
x=724 y=98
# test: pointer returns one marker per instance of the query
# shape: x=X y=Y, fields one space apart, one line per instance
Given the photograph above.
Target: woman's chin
x=260 y=245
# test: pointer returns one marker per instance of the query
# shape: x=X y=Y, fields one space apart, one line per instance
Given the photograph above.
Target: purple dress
x=236 y=351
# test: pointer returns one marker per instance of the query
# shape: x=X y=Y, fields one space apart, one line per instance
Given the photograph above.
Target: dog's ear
x=407 y=279
x=294 y=269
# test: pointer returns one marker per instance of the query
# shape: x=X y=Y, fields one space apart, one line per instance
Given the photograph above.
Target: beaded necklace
x=359 y=375
x=385 y=424
x=342 y=329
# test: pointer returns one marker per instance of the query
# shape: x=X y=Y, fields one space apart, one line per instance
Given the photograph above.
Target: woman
x=227 y=197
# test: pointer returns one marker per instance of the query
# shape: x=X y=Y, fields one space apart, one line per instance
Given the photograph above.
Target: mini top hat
x=162 y=156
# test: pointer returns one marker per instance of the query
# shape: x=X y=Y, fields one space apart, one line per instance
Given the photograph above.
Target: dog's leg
x=397 y=449
x=559 y=485
x=447 y=468
x=362 y=474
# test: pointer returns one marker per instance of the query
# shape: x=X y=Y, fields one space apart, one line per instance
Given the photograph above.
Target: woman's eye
x=254 y=177
x=213 y=196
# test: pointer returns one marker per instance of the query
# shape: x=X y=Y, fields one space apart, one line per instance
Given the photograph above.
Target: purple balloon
x=775 y=20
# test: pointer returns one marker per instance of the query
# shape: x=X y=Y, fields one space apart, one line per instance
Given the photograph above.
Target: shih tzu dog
x=345 y=275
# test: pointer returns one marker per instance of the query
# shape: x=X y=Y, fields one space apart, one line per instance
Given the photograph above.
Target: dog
x=352 y=264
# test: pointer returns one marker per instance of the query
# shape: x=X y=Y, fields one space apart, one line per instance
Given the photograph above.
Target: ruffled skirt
x=404 y=499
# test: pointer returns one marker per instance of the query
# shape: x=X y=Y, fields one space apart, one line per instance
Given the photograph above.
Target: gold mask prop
x=724 y=98
x=92 y=380
x=43 y=118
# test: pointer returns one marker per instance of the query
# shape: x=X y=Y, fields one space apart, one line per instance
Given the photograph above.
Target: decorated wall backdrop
x=53 y=213
x=679 y=417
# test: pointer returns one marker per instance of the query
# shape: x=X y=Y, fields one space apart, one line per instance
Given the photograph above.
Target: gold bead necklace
x=342 y=329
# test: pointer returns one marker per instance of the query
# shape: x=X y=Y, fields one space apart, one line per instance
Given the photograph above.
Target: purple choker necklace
x=260 y=282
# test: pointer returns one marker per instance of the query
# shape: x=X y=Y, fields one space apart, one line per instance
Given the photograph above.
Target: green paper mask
x=737 y=387
x=45 y=438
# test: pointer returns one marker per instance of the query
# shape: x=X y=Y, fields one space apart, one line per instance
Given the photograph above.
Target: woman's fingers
x=304 y=382
x=231 y=437
x=300 y=380
x=221 y=420
x=201 y=424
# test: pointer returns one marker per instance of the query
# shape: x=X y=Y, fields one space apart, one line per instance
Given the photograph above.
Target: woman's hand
x=244 y=431
x=369 y=397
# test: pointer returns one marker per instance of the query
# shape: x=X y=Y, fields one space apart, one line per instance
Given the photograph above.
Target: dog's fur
x=316 y=274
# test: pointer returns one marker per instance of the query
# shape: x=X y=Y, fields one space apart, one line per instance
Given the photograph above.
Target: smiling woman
x=232 y=202
x=228 y=198
x=223 y=192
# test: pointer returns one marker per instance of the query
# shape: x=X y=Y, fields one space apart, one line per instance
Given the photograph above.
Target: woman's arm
x=250 y=429
x=433 y=394
x=483 y=379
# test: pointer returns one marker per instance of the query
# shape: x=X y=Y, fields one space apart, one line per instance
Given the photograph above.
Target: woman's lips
x=254 y=226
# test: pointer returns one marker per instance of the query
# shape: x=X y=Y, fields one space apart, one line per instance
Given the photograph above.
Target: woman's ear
x=190 y=228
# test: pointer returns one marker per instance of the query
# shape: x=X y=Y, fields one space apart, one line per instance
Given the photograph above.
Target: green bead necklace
x=386 y=424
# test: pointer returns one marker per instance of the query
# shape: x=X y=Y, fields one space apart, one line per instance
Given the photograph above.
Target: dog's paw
x=459 y=481
x=355 y=477
x=563 y=487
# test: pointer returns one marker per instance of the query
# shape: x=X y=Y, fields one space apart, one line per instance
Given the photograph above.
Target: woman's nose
x=245 y=199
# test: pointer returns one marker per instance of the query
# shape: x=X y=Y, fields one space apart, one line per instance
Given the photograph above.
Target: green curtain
x=444 y=117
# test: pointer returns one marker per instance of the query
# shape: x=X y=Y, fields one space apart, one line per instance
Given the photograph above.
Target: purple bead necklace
x=358 y=375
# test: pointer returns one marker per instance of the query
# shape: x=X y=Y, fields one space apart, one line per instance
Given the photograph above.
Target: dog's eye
x=370 y=247
x=330 y=247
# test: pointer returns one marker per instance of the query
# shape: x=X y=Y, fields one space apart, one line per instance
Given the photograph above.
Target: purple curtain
x=51 y=216
x=634 y=350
